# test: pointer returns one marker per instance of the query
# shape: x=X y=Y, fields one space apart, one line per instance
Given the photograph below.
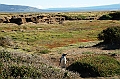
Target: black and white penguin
x=63 y=61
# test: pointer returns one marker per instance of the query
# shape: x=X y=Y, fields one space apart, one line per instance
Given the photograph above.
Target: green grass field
x=37 y=36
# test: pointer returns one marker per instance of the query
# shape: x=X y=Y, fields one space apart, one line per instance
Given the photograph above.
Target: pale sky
x=42 y=4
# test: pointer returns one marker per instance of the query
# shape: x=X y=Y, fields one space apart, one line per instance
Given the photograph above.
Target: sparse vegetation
x=74 y=17
x=20 y=65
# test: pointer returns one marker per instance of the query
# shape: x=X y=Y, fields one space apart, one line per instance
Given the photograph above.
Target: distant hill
x=93 y=8
x=17 y=8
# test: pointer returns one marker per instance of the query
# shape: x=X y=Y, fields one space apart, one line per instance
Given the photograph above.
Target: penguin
x=63 y=61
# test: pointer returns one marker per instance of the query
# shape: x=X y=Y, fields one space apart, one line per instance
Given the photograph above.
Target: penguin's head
x=64 y=54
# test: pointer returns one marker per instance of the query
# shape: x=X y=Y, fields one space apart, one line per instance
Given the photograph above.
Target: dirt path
x=76 y=53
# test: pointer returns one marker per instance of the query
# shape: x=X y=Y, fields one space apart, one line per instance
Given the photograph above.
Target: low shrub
x=45 y=51
x=111 y=35
x=111 y=16
x=5 y=41
x=24 y=71
x=5 y=56
x=105 y=17
x=96 y=66
x=115 y=16
x=20 y=72
x=75 y=17
x=1 y=64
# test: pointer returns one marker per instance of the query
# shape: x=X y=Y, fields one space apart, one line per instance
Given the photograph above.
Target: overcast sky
x=42 y=4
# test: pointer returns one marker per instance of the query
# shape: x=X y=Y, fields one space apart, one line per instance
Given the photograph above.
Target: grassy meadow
x=36 y=36
x=27 y=44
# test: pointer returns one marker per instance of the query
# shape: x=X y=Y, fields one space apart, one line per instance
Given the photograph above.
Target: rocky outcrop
x=21 y=19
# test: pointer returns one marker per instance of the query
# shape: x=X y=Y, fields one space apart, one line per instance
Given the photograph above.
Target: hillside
x=92 y=8
x=17 y=8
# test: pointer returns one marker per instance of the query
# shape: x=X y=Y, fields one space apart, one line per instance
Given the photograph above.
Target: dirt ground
x=76 y=53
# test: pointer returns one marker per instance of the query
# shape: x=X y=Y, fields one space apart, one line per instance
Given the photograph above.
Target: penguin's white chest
x=63 y=61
